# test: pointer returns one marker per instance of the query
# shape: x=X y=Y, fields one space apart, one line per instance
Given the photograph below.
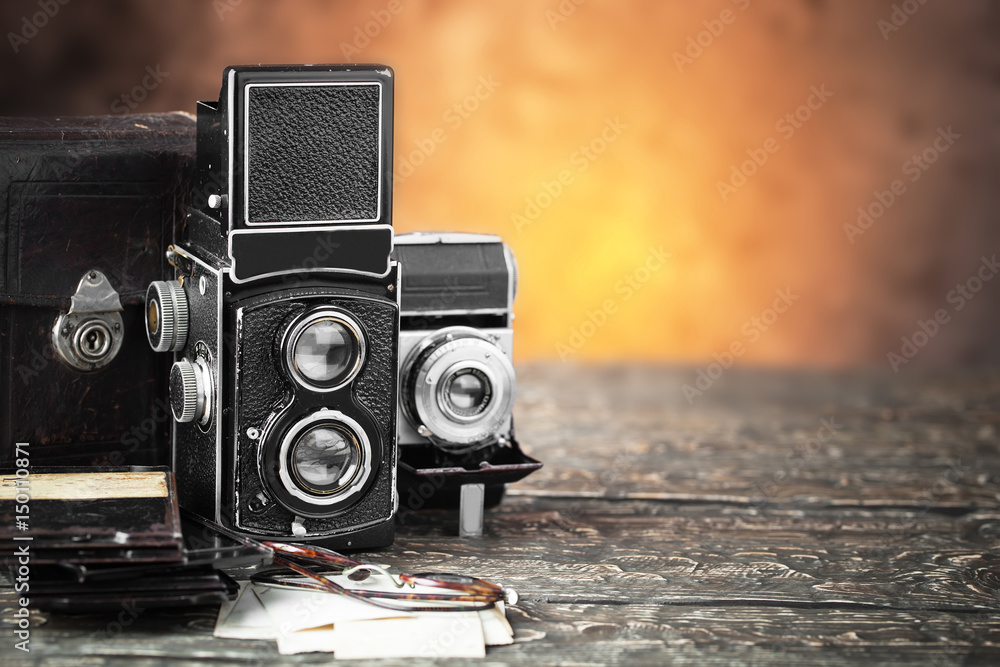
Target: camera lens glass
x=326 y=351
x=325 y=459
x=457 y=388
x=467 y=392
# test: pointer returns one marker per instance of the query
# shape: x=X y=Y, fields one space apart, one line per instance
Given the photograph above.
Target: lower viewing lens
x=325 y=459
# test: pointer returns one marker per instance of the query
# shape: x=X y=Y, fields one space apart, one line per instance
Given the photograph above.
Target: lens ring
x=424 y=376
x=304 y=485
x=466 y=391
x=325 y=459
x=324 y=350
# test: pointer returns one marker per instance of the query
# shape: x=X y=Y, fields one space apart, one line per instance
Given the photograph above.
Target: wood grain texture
x=658 y=533
x=759 y=437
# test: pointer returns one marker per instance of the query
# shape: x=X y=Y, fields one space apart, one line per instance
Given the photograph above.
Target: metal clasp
x=90 y=334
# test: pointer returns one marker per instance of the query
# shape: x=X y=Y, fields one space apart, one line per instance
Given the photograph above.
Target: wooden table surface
x=780 y=517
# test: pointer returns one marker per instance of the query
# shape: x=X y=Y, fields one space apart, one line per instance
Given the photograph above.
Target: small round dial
x=191 y=391
x=166 y=316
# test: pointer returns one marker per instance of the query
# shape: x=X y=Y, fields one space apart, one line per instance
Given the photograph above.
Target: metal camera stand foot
x=470 y=510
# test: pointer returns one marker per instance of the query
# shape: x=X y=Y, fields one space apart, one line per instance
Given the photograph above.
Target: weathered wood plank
x=790 y=438
x=579 y=633
x=629 y=551
x=715 y=533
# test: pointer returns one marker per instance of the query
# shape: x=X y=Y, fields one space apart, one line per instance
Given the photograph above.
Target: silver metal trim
x=428 y=238
x=203 y=364
x=231 y=95
x=241 y=232
x=246 y=151
x=296 y=330
x=470 y=510
x=467 y=311
x=511 y=261
x=360 y=477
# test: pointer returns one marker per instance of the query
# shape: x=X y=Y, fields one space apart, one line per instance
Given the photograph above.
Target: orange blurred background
x=594 y=135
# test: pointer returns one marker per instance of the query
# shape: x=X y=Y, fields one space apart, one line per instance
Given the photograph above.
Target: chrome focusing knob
x=166 y=316
x=190 y=391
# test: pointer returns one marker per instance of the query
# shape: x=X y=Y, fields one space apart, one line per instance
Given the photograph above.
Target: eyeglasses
x=479 y=593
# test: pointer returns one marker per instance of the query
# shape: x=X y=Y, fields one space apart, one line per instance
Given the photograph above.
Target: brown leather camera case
x=79 y=195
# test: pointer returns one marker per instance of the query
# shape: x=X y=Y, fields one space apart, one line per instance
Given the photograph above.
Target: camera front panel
x=314 y=418
x=459 y=388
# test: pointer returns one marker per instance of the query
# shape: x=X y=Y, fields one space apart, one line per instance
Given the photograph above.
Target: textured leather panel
x=195 y=461
x=81 y=193
x=120 y=229
x=264 y=389
x=314 y=153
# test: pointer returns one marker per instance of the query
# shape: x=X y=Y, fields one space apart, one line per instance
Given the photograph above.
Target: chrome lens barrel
x=458 y=388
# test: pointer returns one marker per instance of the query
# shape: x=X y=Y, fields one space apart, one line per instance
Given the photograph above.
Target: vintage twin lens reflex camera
x=284 y=318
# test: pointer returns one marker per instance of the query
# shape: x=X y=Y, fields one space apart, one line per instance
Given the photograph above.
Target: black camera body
x=284 y=316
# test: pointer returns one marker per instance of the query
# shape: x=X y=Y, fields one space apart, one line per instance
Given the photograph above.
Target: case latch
x=89 y=336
